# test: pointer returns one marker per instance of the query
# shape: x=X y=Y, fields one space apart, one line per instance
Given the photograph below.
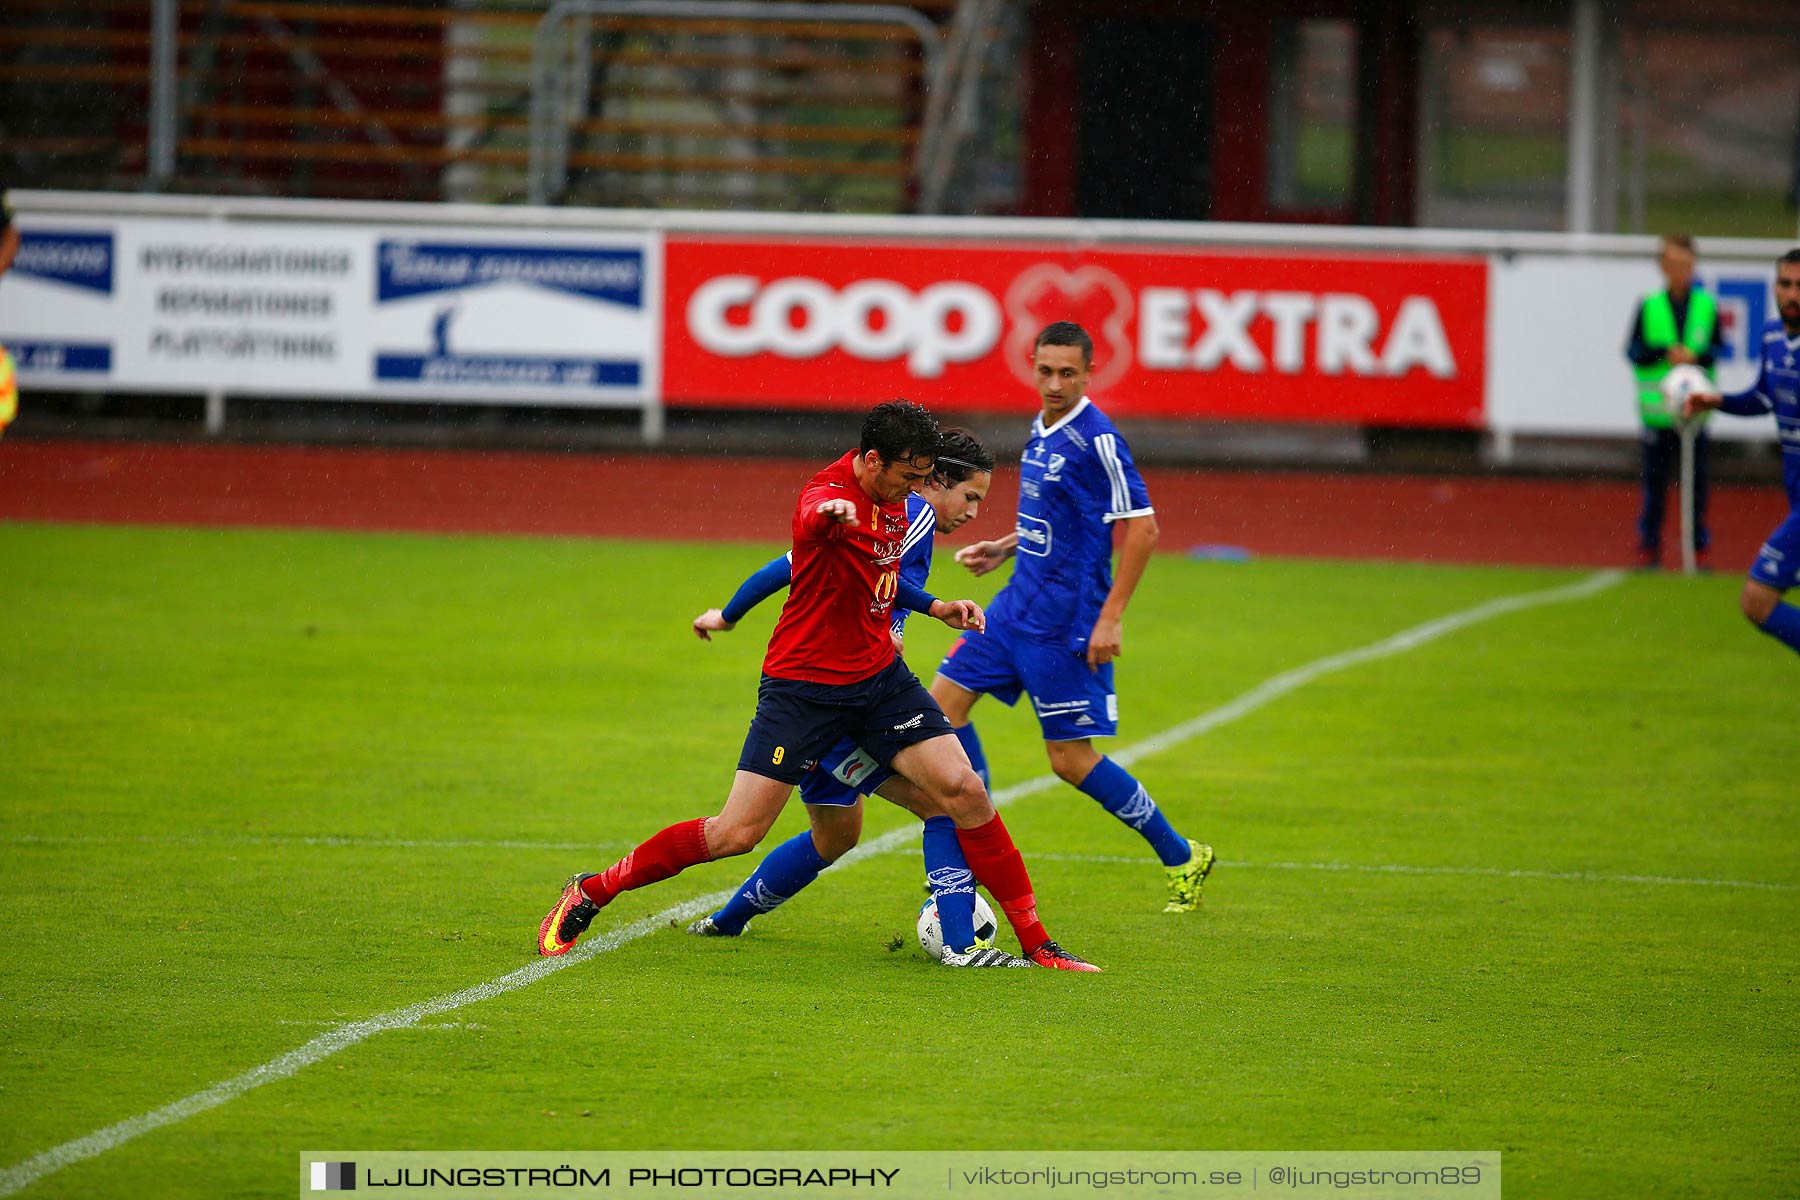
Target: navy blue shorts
x=1072 y=701
x=796 y=722
x=1778 y=562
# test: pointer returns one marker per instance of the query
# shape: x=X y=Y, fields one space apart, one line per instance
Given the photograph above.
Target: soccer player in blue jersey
x=831 y=672
x=1776 y=390
x=1057 y=625
x=833 y=790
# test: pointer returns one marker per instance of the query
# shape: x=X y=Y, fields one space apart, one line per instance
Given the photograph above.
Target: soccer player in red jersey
x=831 y=672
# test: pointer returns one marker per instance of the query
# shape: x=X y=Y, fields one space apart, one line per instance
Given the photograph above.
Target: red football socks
x=668 y=853
x=1000 y=869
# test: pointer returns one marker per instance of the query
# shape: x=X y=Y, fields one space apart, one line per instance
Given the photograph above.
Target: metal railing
x=953 y=106
x=556 y=63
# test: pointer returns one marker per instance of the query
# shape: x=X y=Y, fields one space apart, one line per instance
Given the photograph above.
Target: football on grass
x=931 y=933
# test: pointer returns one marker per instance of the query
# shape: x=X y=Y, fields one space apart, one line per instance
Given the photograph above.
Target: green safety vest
x=1660 y=333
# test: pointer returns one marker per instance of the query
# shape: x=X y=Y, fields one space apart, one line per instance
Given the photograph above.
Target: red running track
x=1315 y=515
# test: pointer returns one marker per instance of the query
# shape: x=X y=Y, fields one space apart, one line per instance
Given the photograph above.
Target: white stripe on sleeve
x=1107 y=445
x=919 y=530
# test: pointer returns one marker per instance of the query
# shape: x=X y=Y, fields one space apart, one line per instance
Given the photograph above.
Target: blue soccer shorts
x=1778 y=562
x=845 y=773
x=796 y=722
x=1072 y=702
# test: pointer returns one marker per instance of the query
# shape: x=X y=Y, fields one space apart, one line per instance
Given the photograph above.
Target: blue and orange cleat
x=573 y=913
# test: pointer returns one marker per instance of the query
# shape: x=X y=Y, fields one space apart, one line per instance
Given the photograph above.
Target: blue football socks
x=971 y=744
x=1784 y=626
x=788 y=868
x=1125 y=798
x=952 y=883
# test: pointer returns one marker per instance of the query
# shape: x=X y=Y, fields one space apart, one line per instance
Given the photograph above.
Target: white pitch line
x=21 y=1175
x=18 y=1177
x=1489 y=872
x=1410 y=639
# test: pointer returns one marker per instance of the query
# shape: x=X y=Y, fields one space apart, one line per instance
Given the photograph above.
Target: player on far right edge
x=1777 y=390
x=1058 y=621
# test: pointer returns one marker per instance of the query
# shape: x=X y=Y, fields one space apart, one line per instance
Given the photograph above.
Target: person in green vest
x=1676 y=326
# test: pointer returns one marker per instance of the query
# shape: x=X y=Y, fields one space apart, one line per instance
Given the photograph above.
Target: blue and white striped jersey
x=1075 y=479
x=915 y=558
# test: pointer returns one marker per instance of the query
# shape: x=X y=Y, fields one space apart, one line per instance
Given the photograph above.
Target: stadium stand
x=424 y=102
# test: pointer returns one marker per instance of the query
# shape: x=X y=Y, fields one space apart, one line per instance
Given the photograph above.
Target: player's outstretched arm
x=1750 y=403
x=1698 y=403
x=824 y=515
x=1107 y=640
x=843 y=512
x=960 y=614
x=710 y=622
x=768 y=579
x=982 y=557
x=764 y=582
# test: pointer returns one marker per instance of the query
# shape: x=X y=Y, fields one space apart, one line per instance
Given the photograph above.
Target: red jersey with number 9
x=834 y=626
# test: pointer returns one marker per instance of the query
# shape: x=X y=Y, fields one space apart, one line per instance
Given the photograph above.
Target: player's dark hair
x=1792 y=256
x=1066 y=333
x=900 y=430
x=1683 y=240
x=960 y=455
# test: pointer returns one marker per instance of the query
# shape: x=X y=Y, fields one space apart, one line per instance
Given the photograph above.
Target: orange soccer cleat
x=568 y=920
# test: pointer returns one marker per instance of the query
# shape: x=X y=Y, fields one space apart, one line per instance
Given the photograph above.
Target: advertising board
x=334 y=310
x=1356 y=338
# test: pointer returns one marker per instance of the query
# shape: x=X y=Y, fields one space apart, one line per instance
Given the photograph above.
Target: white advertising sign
x=238 y=308
x=1558 y=328
x=58 y=307
x=330 y=310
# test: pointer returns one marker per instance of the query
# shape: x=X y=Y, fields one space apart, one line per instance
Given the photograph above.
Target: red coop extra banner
x=1372 y=339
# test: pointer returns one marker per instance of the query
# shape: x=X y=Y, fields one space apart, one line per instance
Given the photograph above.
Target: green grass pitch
x=1530 y=886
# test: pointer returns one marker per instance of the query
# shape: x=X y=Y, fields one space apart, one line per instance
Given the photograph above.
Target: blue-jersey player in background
x=1776 y=390
x=834 y=788
x=1056 y=626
